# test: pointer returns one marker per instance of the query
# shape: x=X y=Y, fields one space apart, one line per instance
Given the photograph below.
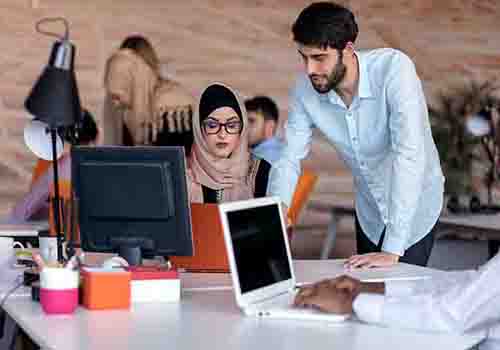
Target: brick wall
x=243 y=42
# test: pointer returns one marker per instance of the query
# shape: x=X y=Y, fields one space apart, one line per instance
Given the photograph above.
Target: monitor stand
x=131 y=248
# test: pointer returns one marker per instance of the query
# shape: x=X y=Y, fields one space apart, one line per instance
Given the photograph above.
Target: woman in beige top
x=141 y=107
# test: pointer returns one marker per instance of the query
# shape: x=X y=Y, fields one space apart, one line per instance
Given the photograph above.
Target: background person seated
x=263 y=117
x=455 y=302
x=35 y=204
x=142 y=107
x=221 y=168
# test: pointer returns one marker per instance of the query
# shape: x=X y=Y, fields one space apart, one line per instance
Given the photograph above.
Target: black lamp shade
x=54 y=98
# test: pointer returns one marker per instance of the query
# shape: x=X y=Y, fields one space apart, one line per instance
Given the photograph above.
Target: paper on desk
x=309 y=271
x=29 y=228
x=385 y=274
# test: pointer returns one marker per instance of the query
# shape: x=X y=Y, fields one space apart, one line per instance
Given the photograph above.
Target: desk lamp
x=481 y=125
x=54 y=103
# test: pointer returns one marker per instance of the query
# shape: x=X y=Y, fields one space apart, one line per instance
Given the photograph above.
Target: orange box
x=105 y=289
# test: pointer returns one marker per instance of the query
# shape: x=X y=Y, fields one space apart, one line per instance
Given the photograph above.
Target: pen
x=38 y=261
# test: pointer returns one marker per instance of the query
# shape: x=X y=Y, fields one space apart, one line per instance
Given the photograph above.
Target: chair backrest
x=40 y=168
x=208 y=239
x=303 y=190
x=67 y=213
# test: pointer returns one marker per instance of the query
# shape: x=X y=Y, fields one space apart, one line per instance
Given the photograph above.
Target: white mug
x=7 y=253
x=48 y=249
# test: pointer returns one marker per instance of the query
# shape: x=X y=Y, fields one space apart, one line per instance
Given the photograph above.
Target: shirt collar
x=364 y=87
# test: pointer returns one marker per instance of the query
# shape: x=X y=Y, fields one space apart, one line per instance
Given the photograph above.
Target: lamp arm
x=56 y=205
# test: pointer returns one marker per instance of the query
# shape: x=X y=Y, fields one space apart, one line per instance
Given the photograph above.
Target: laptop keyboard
x=282 y=307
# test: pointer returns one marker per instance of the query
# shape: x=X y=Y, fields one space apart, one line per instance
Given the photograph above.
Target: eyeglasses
x=213 y=126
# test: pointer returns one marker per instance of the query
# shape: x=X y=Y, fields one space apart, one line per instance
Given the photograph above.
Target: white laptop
x=260 y=261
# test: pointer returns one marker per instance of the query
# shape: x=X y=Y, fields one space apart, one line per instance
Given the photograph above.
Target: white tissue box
x=154 y=285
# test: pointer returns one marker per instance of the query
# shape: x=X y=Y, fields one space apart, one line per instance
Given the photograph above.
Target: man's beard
x=333 y=80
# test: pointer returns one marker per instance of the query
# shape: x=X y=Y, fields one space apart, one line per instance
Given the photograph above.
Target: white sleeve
x=285 y=172
x=368 y=307
x=468 y=305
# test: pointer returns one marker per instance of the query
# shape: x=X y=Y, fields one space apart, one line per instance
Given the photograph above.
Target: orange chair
x=303 y=190
x=208 y=240
x=67 y=213
x=41 y=167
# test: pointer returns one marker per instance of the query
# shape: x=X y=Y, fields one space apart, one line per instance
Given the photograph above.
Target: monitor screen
x=259 y=246
x=132 y=196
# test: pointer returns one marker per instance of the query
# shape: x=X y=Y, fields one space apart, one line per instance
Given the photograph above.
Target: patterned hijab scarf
x=227 y=174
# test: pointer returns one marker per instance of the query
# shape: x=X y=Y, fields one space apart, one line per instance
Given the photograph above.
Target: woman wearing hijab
x=141 y=107
x=221 y=168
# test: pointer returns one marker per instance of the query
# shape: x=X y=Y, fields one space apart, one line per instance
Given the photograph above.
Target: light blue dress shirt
x=384 y=137
x=269 y=150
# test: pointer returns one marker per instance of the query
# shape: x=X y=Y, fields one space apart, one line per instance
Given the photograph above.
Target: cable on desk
x=20 y=283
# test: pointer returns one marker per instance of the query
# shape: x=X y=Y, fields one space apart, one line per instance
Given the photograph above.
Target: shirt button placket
x=353 y=133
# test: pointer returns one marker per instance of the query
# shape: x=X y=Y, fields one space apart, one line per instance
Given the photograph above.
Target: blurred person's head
x=83 y=132
x=263 y=117
x=143 y=48
x=325 y=33
x=130 y=85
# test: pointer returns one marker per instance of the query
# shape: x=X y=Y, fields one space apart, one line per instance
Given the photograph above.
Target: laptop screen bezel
x=251 y=297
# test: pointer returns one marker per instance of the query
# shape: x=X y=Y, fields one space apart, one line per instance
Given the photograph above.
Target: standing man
x=263 y=117
x=370 y=105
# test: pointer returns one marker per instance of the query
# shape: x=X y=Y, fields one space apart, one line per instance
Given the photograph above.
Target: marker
x=38 y=261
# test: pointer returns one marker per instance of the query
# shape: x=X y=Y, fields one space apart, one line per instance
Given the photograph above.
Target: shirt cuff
x=393 y=244
x=368 y=307
x=398 y=288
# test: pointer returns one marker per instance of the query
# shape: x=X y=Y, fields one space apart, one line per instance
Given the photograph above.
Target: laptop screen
x=259 y=246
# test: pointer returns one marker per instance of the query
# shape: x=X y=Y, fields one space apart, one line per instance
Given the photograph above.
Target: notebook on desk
x=260 y=261
x=25 y=229
x=208 y=239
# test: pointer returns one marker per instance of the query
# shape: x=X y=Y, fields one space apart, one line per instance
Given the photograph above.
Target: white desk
x=481 y=224
x=211 y=320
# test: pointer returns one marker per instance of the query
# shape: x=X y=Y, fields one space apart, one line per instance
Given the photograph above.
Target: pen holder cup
x=59 y=290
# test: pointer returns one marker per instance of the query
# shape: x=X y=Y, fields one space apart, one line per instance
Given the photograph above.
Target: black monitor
x=132 y=201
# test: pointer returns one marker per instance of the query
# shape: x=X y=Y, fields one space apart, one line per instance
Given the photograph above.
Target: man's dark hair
x=325 y=24
x=265 y=105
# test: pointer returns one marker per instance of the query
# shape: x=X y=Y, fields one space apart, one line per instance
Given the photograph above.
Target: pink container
x=63 y=301
x=59 y=290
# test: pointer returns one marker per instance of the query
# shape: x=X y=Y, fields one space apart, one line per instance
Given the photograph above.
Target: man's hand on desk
x=335 y=295
x=369 y=260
